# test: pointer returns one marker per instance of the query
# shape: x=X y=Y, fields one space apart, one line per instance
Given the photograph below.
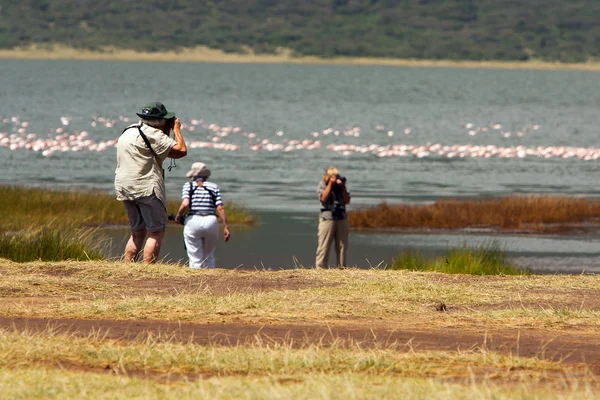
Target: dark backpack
x=212 y=194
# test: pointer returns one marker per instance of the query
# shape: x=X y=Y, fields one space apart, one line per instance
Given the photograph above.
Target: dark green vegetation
x=485 y=260
x=549 y=30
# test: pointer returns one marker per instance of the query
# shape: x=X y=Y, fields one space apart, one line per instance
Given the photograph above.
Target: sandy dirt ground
x=205 y=54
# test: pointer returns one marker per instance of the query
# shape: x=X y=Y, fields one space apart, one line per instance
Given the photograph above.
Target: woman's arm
x=328 y=188
x=221 y=210
x=183 y=209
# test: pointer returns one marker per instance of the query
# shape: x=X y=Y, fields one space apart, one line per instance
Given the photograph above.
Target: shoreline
x=207 y=55
x=571 y=229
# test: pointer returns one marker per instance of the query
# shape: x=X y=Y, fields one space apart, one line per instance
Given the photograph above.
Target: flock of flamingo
x=61 y=139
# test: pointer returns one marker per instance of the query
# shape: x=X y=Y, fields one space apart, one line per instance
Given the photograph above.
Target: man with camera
x=139 y=177
x=333 y=220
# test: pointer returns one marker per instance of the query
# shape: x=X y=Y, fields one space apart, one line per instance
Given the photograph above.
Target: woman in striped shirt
x=200 y=200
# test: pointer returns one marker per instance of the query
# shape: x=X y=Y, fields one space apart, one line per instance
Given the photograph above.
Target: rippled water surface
x=268 y=131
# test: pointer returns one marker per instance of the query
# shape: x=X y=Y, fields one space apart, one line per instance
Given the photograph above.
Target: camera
x=171 y=217
x=169 y=126
x=342 y=178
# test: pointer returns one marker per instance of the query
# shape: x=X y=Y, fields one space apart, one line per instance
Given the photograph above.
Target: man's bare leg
x=152 y=247
x=134 y=245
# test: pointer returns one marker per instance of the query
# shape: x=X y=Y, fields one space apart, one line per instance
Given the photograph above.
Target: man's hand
x=180 y=149
x=226 y=234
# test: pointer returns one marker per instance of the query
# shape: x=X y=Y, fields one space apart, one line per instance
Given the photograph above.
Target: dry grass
x=161 y=355
x=540 y=214
x=204 y=54
x=45 y=383
x=118 y=291
x=56 y=364
x=263 y=370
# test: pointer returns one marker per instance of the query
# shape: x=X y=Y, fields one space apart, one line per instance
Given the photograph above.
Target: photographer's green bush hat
x=154 y=111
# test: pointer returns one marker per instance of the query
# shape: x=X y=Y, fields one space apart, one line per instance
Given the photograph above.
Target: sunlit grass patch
x=46 y=365
x=118 y=291
x=53 y=244
x=261 y=356
x=528 y=213
x=47 y=383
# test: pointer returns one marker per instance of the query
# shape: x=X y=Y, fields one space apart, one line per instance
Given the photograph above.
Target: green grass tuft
x=485 y=260
x=410 y=260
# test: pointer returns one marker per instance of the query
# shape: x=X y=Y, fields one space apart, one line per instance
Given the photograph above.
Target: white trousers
x=201 y=234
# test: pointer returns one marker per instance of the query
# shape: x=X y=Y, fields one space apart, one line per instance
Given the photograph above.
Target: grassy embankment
x=525 y=214
x=46 y=225
x=55 y=364
x=284 y=56
x=57 y=225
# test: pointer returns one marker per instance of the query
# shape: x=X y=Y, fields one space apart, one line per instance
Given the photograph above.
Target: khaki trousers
x=332 y=231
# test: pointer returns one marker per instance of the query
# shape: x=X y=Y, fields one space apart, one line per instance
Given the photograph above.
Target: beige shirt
x=139 y=173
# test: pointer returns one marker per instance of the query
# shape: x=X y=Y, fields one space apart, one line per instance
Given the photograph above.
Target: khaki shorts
x=146 y=213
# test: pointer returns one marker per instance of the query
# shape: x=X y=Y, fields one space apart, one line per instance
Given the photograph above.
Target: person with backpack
x=201 y=200
x=139 y=177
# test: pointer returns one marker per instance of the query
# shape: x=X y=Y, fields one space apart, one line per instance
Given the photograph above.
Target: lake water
x=267 y=132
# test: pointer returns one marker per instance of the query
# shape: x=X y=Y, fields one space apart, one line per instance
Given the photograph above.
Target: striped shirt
x=205 y=198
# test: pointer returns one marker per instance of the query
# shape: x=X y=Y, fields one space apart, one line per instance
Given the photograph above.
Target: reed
x=238 y=214
x=484 y=260
x=541 y=214
x=53 y=244
x=22 y=207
